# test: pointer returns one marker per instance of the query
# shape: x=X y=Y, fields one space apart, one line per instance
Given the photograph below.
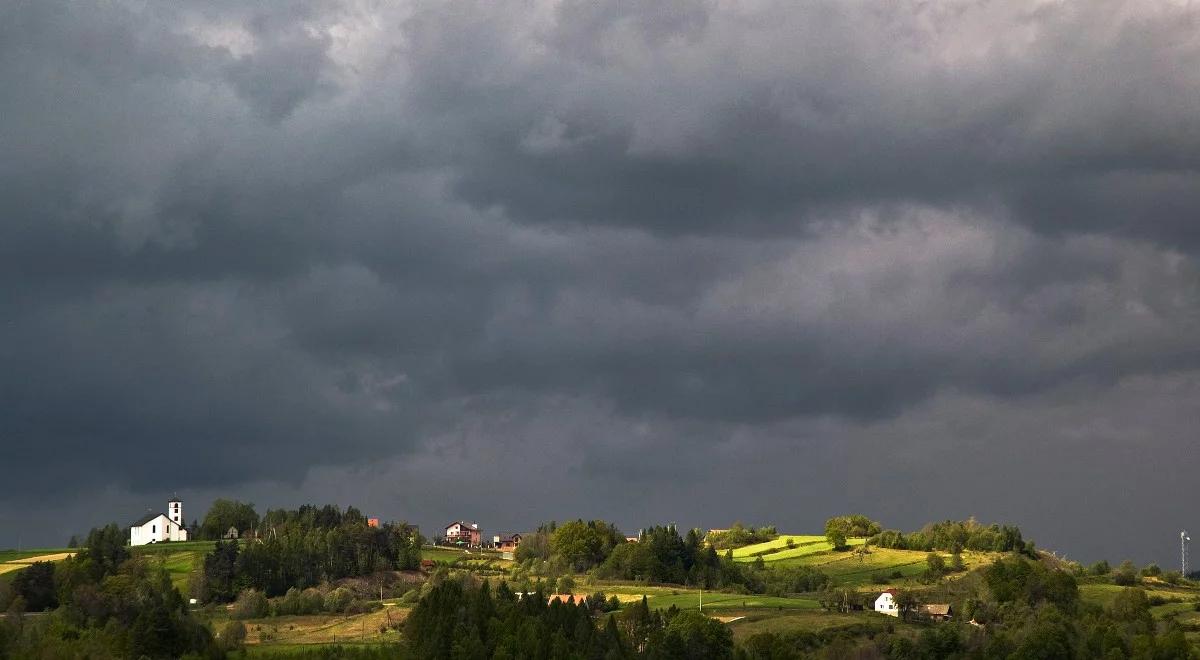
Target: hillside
x=880 y=567
x=837 y=605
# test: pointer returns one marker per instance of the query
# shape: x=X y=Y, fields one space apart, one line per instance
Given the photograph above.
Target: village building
x=463 y=533
x=886 y=603
x=507 y=543
x=231 y=534
x=160 y=527
x=937 y=611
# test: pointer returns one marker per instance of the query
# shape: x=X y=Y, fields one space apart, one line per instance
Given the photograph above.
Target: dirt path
x=18 y=564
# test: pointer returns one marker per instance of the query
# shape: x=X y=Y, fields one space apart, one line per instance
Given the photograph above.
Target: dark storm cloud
x=607 y=242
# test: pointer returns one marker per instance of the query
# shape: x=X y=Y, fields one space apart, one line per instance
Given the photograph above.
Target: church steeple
x=175 y=510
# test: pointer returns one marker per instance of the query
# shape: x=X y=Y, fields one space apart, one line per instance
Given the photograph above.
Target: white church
x=159 y=527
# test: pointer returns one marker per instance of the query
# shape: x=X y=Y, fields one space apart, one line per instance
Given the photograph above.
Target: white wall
x=885 y=604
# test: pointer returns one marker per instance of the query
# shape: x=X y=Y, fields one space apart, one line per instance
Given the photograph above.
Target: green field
x=178 y=546
x=801 y=620
x=443 y=555
x=1103 y=593
x=845 y=567
x=800 y=550
x=749 y=551
x=665 y=597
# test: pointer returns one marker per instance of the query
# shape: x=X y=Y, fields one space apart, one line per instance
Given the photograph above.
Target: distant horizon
x=428 y=529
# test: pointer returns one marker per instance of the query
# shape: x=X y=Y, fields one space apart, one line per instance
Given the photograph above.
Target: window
x=153 y=529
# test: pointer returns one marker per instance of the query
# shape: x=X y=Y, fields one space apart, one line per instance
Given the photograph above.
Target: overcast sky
x=648 y=262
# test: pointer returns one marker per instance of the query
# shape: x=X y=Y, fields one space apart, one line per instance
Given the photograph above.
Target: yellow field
x=18 y=564
x=777 y=544
x=327 y=628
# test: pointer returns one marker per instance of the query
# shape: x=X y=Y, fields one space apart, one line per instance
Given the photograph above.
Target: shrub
x=359 y=606
x=338 y=599
x=566 y=584
x=250 y=604
x=879 y=578
x=1125 y=575
x=233 y=636
x=1151 y=570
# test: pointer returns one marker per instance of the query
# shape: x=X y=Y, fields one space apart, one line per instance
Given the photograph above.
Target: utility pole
x=1184 y=540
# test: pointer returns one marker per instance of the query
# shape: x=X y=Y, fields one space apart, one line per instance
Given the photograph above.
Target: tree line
x=462 y=622
x=956 y=536
x=739 y=535
x=303 y=548
x=102 y=603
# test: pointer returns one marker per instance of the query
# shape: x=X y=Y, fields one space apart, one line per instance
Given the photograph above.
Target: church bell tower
x=175 y=510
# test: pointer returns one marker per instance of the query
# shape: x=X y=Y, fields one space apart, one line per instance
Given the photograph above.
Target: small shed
x=937 y=611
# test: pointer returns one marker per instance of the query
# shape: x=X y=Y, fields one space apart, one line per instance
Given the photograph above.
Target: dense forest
x=103 y=604
x=956 y=536
x=303 y=548
x=460 y=621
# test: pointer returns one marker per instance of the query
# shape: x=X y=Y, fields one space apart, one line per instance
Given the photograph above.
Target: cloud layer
x=854 y=248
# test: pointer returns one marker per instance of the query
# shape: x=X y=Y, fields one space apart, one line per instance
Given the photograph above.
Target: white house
x=159 y=527
x=886 y=603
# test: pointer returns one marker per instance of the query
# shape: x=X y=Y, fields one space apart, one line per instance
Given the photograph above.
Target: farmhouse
x=886 y=603
x=160 y=527
x=507 y=543
x=462 y=533
x=937 y=611
x=231 y=533
x=568 y=599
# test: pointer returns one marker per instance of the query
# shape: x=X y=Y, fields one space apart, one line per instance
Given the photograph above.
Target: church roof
x=151 y=516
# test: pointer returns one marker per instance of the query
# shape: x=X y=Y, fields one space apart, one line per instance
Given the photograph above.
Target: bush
x=1100 y=568
x=879 y=578
x=339 y=599
x=360 y=606
x=566 y=584
x=233 y=636
x=1151 y=570
x=1125 y=575
x=251 y=604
